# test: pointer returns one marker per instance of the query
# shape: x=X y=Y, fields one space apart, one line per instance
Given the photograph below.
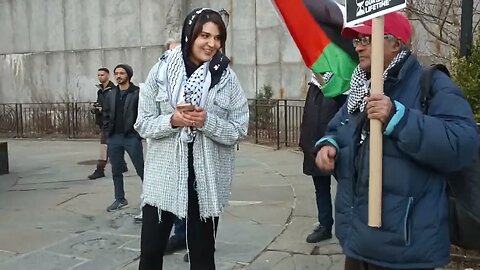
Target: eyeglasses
x=367 y=40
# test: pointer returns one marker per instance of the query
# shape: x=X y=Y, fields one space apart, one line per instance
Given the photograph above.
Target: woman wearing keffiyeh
x=193 y=111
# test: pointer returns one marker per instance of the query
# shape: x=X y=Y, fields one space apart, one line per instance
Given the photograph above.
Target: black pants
x=353 y=264
x=200 y=233
x=324 y=200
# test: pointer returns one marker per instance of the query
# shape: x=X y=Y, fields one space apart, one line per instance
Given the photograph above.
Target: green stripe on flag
x=334 y=59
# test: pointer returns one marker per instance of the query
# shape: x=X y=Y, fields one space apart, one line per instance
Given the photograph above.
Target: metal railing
x=67 y=119
x=273 y=122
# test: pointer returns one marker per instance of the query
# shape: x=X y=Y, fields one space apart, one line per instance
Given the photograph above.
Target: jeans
x=117 y=144
x=324 y=200
x=180 y=228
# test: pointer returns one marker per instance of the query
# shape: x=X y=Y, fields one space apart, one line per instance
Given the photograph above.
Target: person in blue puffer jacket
x=419 y=150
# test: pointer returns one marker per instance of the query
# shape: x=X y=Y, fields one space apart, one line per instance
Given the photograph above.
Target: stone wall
x=50 y=50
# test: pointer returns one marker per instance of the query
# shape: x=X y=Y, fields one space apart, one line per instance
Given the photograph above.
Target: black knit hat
x=127 y=69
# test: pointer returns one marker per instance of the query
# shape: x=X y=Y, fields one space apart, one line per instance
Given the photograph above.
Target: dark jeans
x=324 y=200
x=180 y=228
x=200 y=233
x=353 y=264
x=117 y=144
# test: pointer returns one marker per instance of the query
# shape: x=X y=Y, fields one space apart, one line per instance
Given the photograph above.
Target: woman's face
x=206 y=44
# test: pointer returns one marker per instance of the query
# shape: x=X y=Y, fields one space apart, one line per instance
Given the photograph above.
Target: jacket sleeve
x=151 y=122
x=99 y=100
x=446 y=137
x=305 y=131
x=106 y=110
x=229 y=131
x=331 y=131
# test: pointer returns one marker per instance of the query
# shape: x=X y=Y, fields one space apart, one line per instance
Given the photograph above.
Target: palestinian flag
x=316 y=26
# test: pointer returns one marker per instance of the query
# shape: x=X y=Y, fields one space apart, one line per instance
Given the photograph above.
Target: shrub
x=466 y=73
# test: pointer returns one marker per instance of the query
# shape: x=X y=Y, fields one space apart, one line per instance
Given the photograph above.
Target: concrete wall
x=50 y=49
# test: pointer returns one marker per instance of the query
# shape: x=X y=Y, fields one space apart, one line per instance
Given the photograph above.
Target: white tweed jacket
x=165 y=183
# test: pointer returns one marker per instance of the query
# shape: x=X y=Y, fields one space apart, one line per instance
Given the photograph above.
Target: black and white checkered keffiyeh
x=360 y=86
x=325 y=77
x=193 y=89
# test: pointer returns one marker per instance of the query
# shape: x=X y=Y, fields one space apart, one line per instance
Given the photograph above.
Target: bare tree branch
x=437 y=36
x=441 y=21
x=442 y=25
x=423 y=15
x=476 y=13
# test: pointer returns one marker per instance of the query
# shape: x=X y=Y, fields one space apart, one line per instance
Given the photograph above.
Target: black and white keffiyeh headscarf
x=194 y=88
x=325 y=77
x=360 y=85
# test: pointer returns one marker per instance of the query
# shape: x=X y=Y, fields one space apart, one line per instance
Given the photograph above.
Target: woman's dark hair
x=209 y=16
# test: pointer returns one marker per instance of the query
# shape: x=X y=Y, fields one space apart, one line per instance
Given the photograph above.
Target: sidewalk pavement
x=53 y=217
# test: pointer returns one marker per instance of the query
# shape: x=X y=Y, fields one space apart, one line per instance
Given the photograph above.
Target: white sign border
x=374 y=15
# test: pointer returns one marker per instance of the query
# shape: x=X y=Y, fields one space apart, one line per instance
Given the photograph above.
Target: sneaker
x=96 y=174
x=175 y=243
x=186 y=258
x=117 y=204
x=138 y=218
x=319 y=234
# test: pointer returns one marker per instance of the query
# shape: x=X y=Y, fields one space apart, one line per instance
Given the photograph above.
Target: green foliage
x=262 y=112
x=466 y=73
x=265 y=94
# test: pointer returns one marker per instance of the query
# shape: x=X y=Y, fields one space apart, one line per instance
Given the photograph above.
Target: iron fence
x=273 y=122
x=33 y=120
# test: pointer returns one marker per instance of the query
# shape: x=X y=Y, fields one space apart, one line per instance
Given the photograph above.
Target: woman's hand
x=196 y=118
x=179 y=120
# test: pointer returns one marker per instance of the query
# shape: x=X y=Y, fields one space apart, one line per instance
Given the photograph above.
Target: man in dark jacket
x=419 y=150
x=104 y=86
x=119 y=116
x=318 y=111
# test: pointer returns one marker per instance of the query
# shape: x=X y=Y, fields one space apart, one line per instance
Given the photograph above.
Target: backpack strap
x=426 y=83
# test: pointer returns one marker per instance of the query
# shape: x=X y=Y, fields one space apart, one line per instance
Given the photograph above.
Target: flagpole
x=376 y=144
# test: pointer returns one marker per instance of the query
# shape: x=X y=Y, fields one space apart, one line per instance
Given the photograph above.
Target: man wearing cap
x=419 y=150
x=119 y=115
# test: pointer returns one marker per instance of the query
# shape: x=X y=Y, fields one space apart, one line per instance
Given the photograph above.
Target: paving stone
x=238 y=231
x=90 y=244
x=41 y=260
x=133 y=244
x=4 y=255
x=264 y=213
x=305 y=262
x=338 y=262
x=110 y=260
x=272 y=260
x=237 y=253
x=328 y=249
x=293 y=238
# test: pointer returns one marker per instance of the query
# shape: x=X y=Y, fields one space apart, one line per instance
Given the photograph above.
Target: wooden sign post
x=376 y=140
x=359 y=11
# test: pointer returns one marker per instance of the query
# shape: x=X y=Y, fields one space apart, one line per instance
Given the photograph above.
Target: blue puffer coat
x=418 y=151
